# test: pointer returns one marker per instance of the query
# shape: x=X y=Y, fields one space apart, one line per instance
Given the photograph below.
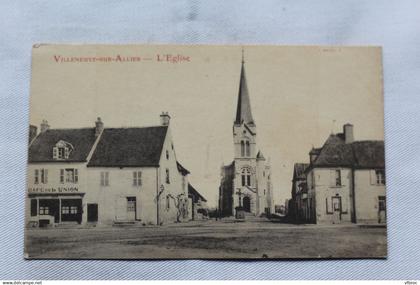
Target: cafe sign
x=72 y=189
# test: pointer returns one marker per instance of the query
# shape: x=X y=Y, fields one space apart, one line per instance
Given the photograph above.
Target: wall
x=112 y=199
x=323 y=190
x=53 y=184
x=175 y=187
x=366 y=196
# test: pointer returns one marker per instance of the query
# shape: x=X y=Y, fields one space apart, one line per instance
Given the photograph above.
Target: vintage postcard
x=213 y=152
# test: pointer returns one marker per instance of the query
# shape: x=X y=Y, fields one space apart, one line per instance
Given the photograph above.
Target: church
x=246 y=182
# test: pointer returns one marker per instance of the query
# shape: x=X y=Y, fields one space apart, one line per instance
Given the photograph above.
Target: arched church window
x=247 y=147
x=246 y=177
x=242 y=148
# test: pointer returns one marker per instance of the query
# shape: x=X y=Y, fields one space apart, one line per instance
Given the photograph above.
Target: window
x=70 y=174
x=168 y=202
x=246 y=177
x=62 y=150
x=184 y=182
x=247 y=148
x=380 y=177
x=44 y=176
x=382 y=203
x=61 y=153
x=137 y=178
x=172 y=146
x=41 y=175
x=104 y=178
x=167 y=176
x=36 y=176
x=242 y=148
x=337 y=177
x=167 y=154
x=34 y=206
x=73 y=210
x=44 y=210
x=65 y=210
x=131 y=204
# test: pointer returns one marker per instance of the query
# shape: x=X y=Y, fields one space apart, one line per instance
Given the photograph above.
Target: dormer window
x=62 y=150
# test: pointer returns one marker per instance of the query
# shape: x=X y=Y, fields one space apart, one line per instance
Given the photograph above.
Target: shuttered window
x=335 y=178
x=104 y=178
x=36 y=176
x=137 y=178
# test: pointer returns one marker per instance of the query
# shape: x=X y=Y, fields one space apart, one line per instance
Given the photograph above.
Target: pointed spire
x=260 y=155
x=243 y=110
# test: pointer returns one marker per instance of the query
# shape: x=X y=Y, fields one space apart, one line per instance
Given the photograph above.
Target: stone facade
x=345 y=182
x=101 y=182
x=246 y=182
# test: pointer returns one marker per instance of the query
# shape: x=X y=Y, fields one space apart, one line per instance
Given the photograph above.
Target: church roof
x=243 y=110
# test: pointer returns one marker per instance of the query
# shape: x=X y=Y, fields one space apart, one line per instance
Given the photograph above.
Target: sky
x=299 y=95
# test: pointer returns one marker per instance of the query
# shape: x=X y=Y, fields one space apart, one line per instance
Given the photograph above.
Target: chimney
x=313 y=154
x=348 y=133
x=99 y=127
x=164 y=119
x=32 y=132
x=44 y=126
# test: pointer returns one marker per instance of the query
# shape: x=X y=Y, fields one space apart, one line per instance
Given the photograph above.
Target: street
x=209 y=239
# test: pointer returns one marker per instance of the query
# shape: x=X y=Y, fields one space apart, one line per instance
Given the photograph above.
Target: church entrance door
x=247 y=204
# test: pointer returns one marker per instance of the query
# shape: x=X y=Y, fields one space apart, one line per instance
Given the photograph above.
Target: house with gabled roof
x=105 y=176
x=346 y=180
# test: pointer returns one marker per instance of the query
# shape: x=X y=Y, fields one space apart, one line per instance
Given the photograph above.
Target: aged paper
x=238 y=152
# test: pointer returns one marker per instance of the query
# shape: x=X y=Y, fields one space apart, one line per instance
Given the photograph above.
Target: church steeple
x=243 y=110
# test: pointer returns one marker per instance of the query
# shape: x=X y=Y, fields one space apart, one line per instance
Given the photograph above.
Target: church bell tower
x=244 y=128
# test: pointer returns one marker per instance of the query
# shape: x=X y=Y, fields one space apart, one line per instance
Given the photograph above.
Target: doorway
x=382 y=210
x=336 y=204
x=92 y=213
x=131 y=208
x=247 y=204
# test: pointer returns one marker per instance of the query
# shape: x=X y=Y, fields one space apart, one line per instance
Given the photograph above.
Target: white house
x=346 y=181
x=105 y=175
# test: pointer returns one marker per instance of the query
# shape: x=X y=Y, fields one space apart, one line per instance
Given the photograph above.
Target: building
x=246 y=182
x=301 y=206
x=104 y=176
x=198 y=204
x=345 y=181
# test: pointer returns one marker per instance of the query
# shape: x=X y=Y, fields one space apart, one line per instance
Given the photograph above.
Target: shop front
x=53 y=209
